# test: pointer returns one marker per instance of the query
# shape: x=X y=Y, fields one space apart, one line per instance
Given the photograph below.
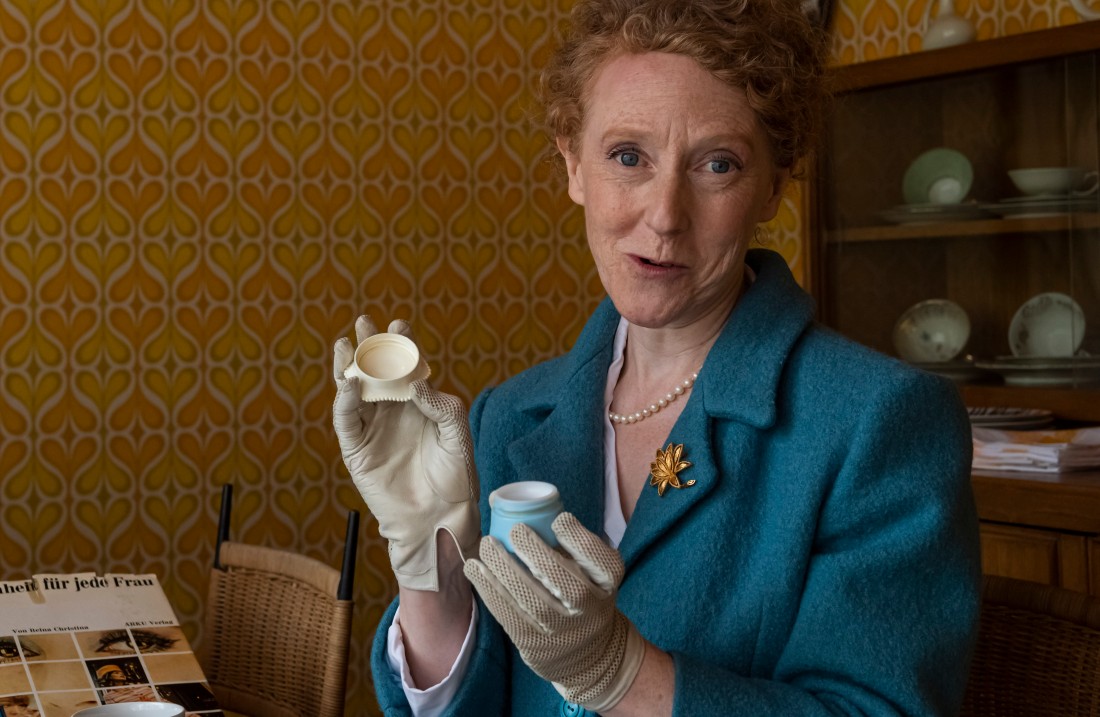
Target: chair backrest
x=278 y=627
x=1038 y=652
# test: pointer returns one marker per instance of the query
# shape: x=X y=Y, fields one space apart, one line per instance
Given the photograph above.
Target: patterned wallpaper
x=197 y=197
x=873 y=29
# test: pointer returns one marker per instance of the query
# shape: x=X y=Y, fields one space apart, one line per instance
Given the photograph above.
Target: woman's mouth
x=657 y=264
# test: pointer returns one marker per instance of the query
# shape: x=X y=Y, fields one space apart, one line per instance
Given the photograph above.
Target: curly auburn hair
x=768 y=48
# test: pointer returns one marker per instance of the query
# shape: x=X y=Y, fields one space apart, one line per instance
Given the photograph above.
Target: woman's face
x=674 y=172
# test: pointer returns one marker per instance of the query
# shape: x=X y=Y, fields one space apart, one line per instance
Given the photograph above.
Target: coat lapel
x=738 y=386
x=656 y=514
x=566 y=448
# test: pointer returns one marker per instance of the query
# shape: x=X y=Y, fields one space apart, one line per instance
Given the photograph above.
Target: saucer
x=1022 y=207
x=1045 y=372
x=959 y=371
x=928 y=213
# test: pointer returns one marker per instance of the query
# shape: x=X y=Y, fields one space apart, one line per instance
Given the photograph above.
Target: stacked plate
x=1048 y=372
x=1016 y=419
x=1045 y=337
x=934 y=187
x=959 y=371
x=1021 y=207
x=928 y=213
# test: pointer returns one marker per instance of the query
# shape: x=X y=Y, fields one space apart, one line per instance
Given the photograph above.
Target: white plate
x=1006 y=417
x=958 y=371
x=927 y=213
x=1047 y=325
x=1021 y=207
x=1045 y=372
x=133 y=709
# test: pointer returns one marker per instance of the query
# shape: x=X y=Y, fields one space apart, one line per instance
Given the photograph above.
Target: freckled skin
x=674 y=172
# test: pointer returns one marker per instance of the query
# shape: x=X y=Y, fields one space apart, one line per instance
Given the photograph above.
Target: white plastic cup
x=533 y=503
x=133 y=709
x=386 y=365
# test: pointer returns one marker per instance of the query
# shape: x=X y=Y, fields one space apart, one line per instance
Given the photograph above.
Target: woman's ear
x=779 y=184
x=572 y=170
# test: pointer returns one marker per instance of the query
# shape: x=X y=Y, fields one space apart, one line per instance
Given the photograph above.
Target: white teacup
x=386 y=365
x=133 y=709
x=1055 y=181
x=1048 y=325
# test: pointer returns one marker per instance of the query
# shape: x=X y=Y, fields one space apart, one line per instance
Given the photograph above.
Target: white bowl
x=133 y=709
x=931 y=331
x=1051 y=181
x=1049 y=325
x=938 y=176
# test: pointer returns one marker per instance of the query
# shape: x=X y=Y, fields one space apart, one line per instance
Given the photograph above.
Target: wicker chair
x=1038 y=652
x=277 y=627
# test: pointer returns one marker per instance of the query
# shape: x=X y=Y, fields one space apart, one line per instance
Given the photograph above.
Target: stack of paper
x=1044 y=451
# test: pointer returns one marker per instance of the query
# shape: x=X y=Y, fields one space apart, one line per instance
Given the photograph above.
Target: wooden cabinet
x=1043 y=556
x=876 y=250
x=1030 y=100
x=1041 y=527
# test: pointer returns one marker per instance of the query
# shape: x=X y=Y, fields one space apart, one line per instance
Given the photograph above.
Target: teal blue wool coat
x=824 y=563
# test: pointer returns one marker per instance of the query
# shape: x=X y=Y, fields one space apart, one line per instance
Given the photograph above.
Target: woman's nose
x=666 y=204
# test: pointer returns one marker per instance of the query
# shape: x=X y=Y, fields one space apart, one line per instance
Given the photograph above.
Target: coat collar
x=740 y=378
x=739 y=382
x=567 y=448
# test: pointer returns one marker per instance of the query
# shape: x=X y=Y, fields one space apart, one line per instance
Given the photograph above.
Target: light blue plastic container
x=533 y=503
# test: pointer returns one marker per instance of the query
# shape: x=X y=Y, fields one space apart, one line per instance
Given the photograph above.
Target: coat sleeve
x=484 y=690
x=888 y=614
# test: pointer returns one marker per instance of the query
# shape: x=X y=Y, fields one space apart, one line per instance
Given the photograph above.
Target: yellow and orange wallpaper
x=197 y=197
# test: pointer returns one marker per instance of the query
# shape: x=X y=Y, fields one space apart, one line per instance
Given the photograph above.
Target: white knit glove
x=412 y=462
x=561 y=614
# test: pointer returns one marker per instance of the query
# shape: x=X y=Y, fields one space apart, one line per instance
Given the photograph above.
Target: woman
x=805 y=542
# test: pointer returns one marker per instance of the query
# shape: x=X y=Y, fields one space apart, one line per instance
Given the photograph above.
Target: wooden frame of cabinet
x=1041 y=527
x=1076 y=404
x=1038 y=527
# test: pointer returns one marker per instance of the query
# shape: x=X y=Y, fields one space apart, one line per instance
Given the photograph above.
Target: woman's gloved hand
x=412 y=462
x=560 y=613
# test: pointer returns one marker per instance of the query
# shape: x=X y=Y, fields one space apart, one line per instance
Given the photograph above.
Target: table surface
x=1063 y=501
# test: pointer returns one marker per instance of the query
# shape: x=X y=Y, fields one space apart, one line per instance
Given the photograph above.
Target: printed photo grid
x=54 y=674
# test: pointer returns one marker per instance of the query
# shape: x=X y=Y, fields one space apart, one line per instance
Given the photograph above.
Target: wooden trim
x=978 y=227
x=1057 y=501
x=1025 y=47
x=1073 y=404
x=1094 y=566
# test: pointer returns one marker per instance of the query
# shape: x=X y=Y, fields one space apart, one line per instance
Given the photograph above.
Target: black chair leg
x=346 y=588
x=223 y=523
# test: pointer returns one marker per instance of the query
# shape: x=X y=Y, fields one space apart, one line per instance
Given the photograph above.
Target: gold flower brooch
x=664 y=471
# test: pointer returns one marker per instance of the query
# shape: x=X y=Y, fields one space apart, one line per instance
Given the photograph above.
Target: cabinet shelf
x=970 y=228
x=987 y=54
x=1072 y=404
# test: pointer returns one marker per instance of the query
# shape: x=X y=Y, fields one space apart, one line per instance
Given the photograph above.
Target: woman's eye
x=115 y=643
x=8 y=651
x=720 y=166
x=628 y=159
x=150 y=642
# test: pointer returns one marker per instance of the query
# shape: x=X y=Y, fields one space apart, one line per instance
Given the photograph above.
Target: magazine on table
x=70 y=642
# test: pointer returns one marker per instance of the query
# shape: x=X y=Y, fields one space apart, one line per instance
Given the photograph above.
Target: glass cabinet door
x=933 y=247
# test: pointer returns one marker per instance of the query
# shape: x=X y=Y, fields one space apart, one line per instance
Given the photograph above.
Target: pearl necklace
x=645 y=413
